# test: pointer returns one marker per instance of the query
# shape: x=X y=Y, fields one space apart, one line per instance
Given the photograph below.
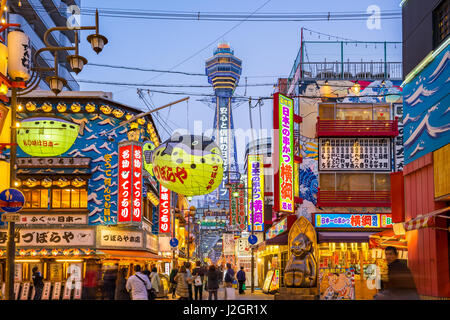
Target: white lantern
x=19 y=53
x=3 y=59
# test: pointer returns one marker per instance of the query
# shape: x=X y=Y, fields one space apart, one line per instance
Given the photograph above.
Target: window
x=441 y=23
x=36 y=198
x=327 y=181
x=326 y=111
x=355 y=181
x=69 y=198
x=354 y=112
x=381 y=112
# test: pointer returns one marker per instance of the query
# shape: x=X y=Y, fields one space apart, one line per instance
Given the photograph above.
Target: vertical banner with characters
x=255 y=178
x=164 y=209
x=337 y=284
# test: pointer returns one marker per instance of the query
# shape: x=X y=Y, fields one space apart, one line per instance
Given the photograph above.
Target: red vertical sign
x=137 y=183
x=125 y=184
x=164 y=209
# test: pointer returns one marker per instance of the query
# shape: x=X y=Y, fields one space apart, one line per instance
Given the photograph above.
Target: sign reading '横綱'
x=255 y=178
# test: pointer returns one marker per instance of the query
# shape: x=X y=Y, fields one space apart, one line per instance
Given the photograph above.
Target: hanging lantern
x=62 y=182
x=31 y=182
x=19 y=55
x=46 y=137
x=90 y=107
x=46 y=182
x=189 y=165
x=3 y=59
x=147 y=150
x=105 y=109
x=30 y=106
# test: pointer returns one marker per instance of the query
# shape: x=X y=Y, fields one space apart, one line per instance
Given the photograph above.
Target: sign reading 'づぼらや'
x=355 y=154
x=284 y=134
x=130 y=183
x=51 y=237
x=116 y=238
x=255 y=178
x=353 y=220
x=164 y=209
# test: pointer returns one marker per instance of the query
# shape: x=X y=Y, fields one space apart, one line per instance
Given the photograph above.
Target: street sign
x=11 y=200
x=252 y=239
x=10 y=217
x=174 y=242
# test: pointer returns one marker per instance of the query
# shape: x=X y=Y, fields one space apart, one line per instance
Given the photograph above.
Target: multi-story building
x=35 y=18
x=424 y=208
x=350 y=113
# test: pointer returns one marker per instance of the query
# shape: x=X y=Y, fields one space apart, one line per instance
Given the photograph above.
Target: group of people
x=183 y=280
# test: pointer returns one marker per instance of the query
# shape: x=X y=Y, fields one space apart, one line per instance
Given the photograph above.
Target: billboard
x=164 y=209
x=352 y=220
x=255 y=176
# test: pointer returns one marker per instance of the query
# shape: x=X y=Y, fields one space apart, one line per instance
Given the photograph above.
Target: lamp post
x=56 y=84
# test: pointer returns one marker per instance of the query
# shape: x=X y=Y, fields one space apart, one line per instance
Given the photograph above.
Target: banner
x=255 y=176
x=337 y=284
x=228 y=244
x=164 y=209
x=237 y=206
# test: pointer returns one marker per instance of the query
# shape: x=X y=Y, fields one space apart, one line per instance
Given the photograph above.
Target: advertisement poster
x=337 y=284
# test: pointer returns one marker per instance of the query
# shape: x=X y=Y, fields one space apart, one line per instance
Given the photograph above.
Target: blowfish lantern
x=46 y=137
x=189 y=165
x=147 y=150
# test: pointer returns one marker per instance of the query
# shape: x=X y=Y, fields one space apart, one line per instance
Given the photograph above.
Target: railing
x=352 y=70
x=327 y=198
x=339 y=128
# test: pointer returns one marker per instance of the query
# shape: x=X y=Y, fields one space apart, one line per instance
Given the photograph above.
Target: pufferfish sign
x=189 y=165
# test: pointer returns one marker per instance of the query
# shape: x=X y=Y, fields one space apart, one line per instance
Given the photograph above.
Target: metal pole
x=189 y=224
x=11 y=245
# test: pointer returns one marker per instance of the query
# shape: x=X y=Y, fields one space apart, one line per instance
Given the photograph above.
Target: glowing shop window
x=83 y=199
x=326 y=111
x=381 y=113
x=382 y=182
x=65 y=198
x=56 y=198
x=354 y=112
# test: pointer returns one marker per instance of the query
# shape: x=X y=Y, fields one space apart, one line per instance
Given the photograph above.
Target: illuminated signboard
x=237 y=206
x=277 y=229
x=353 y=220
x=130 y=184
x=255 y=176
x=164 y=209
x=284 y=150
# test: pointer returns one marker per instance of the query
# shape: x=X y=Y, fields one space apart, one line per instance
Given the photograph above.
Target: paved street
x=257 y=295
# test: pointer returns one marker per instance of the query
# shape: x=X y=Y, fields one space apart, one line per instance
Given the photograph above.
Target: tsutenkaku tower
x=223 y=71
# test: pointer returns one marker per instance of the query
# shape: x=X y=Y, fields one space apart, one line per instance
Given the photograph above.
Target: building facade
x=426 y=141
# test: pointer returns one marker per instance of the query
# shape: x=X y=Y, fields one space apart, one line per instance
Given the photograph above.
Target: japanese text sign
x=255 y=176
x=164 y=209
x=353 y=220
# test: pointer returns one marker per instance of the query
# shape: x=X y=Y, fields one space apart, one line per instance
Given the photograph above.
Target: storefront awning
x=344 y=236
x=426 y=220
x=281 y=239
x=132 y=255
x=387 y=238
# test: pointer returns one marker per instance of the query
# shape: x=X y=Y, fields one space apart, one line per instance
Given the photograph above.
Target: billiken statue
x=301 y=269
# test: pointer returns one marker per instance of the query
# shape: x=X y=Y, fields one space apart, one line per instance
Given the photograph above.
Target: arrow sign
x=252 y=239
x=11 y=200
x=173 y=242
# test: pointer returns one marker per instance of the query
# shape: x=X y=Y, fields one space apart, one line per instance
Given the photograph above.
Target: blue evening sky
x=266 y=48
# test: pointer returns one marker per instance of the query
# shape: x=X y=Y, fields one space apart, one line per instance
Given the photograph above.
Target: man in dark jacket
x=241 y=280
x=400 y=285
x=38 y=283
x=173 y=283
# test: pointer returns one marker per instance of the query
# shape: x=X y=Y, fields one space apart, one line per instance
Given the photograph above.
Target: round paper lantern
x=46 y=107
x=46 y=137
x=189 y=165
x=19 y=55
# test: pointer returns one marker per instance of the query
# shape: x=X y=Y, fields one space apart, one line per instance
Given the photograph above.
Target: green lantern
x=189 y=165
x=46 y=137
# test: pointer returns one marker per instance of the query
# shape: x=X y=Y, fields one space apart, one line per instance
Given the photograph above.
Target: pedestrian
x=400 y=284
x=199 y=276
x=173 y=283
x=241 y=280
x=121 y=292
x=155 y=280
x=138 y=284
x=182 y=284
x=90 y=283
x=109 y=284
x=189 y=278
x=229 y=278
x=38 y=283
x=213 y=277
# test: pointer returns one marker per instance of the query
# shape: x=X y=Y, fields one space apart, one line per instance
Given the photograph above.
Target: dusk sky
x=268 y=50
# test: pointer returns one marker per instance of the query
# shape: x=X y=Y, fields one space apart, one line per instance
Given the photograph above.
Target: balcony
x=327 y=198
x=348 y=128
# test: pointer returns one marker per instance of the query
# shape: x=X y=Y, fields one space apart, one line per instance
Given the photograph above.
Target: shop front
x=348 y=267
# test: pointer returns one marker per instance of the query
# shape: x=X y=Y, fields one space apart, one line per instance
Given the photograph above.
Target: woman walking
x=182 y=284
x=121 y=291
x=213 y=282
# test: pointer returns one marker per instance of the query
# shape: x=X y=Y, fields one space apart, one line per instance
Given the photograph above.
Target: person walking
x=173 y=283
x=198 y=275
x=90 y=283
x=240 y=276
x=121 y=292
x=138 y=284
x=229 y=278
x=400 y=284
x=213 y=276
x=189 y=278
x=38 y=283
x=155 y=280
x=182 y=284
x=109 y=284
